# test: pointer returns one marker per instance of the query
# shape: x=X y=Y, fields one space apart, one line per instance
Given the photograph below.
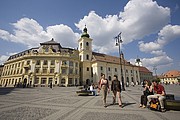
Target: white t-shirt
x=91 y=88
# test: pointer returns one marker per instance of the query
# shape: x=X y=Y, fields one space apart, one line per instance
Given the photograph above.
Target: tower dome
x=85 y=34
x=138 y=62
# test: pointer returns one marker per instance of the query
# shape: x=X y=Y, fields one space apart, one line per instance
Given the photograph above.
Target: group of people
x=115 y=88
x=151 y=90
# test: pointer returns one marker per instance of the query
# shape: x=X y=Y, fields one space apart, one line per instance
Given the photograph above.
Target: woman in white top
x=104 y=87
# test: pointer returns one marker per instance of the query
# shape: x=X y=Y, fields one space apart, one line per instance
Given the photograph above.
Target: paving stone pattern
x=62 y=103
x=29 y=113
x=111 y=116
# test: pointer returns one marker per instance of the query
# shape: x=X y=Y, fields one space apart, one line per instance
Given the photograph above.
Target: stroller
x=155 y=105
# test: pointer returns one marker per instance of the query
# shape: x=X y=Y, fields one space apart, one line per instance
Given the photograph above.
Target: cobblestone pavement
x=62 y=103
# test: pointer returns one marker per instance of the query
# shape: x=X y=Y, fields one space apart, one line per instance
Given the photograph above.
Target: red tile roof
x=144 y=70
x=107 y=58
x=172 y=73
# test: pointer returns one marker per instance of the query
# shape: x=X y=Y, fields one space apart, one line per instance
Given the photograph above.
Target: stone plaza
x=62 y=103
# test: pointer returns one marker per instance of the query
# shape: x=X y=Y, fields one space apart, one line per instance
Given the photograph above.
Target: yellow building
x=170 y=77
x=50 y=62
x=42 y=65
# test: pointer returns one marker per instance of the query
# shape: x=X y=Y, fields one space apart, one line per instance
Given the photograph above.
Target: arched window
x=38 y=62
x=87 y=57
x=45 y=62
x=80 y=57
x=63 y=81
x=127 y=79
x=132 y=79
x=110 y=78
x=80 y=45
x=88 y=82
x=87 y=43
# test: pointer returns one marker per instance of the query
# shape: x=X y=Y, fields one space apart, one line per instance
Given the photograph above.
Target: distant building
x=145 y=74
x=50 y=62
x=170 y=77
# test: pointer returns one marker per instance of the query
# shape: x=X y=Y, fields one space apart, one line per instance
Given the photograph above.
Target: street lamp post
x=154 y=68
x=118 y=43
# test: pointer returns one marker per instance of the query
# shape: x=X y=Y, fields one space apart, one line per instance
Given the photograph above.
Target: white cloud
x=63 y=34
x=158 y=52
x=141 y=18
x=166 y=35
x=3 y=58
x=31 y=33
x=102 y=30
x=135 y=22
x=158 y=60
x=161 y=61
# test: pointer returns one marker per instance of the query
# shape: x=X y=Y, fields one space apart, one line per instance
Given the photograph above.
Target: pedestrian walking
x=116 y=89
x=51 y=85
x=104 y=87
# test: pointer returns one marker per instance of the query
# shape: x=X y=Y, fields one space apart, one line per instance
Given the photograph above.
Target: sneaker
x=163 y=110
x=140 y=105
x=143 y=106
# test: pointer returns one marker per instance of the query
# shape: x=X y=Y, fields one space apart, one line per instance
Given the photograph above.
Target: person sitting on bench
x=159 y=92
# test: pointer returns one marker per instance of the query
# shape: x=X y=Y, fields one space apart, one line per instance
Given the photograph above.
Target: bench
x=171 y=103
x=84 y=92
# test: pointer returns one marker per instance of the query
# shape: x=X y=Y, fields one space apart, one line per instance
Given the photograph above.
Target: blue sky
x=150 y=29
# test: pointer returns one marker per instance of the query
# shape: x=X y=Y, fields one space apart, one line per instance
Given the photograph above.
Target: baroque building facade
x=50 y=62
x=42 y=65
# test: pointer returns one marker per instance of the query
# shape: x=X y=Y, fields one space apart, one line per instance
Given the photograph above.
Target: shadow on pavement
x=6 y=90
x=126 y=104
x=123 y=104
